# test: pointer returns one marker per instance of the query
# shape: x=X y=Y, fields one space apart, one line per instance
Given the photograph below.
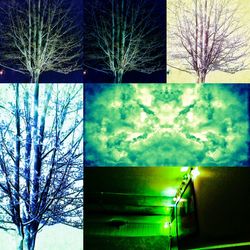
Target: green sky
x=166 y=125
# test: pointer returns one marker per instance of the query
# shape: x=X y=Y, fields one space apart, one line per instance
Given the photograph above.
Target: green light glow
x=194 y=173
x=177 y=199
x=166 y=225
x=170 y=192
x=166 y=125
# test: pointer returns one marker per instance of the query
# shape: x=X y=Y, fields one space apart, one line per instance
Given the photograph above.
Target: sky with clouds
x=166 y=125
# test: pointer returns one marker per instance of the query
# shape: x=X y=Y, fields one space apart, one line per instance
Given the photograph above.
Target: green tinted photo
x=166 y=125
x=165 y=208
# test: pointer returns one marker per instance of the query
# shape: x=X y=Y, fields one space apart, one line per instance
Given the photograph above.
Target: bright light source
x=184 y=169
x=166 y=225
x=194 y=173
x=177 y=199
x=170 y=192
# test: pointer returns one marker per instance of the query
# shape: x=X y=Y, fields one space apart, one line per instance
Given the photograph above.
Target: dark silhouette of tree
x=41 y=173
x=122 y=36
x=39 y=36
x=206 y=35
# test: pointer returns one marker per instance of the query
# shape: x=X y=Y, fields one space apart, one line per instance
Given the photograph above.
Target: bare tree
x=41 y=160
x=38 y=36
x=206 y=35
x=122 y=36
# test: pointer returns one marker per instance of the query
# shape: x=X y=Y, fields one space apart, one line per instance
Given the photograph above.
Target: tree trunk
x=201 y=78
x=118 y=76
x=26 y=241
x=31 y=243
x=35 y=77
x=20 y=243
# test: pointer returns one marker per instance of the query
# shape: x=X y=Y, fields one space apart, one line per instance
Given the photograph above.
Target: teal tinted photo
x=41 y=166
x=166 y=125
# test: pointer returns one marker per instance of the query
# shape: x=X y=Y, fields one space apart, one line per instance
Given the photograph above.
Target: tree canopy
x=39 y=36
x=41 y=159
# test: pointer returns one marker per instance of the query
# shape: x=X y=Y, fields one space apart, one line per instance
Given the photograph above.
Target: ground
x=58 y=237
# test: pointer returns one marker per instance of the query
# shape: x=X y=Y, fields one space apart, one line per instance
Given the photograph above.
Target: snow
x=57 y=237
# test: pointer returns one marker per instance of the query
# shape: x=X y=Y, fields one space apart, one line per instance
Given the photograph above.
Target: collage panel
x=208 y=41
x=166 y=208
x=166 y=125
x=124 y=41
x=124 y=124
x=41 y=166
x=41 y=41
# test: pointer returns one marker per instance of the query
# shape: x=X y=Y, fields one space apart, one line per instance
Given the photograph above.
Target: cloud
x=166 y=125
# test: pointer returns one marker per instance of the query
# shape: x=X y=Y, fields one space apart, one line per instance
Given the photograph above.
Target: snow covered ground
x=58 y=237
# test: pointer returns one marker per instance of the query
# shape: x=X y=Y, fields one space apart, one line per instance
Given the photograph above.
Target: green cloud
x=166 y=125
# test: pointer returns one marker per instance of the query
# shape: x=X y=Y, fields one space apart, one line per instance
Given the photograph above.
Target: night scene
x=124 y=41
x=167 y=208
x=41 y=41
